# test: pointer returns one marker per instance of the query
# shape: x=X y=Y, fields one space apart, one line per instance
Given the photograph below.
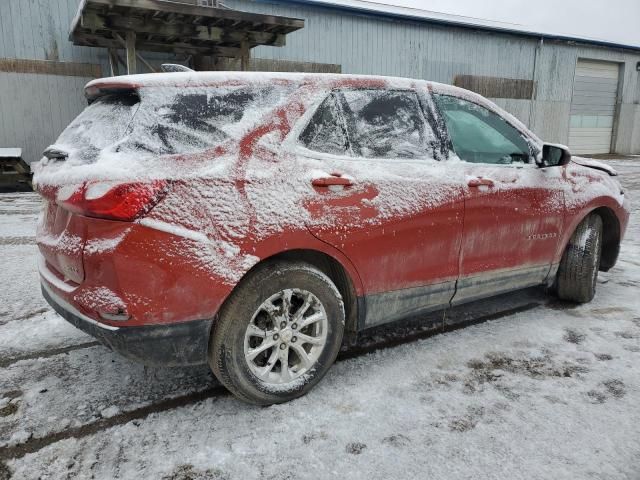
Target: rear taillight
x=115 y=201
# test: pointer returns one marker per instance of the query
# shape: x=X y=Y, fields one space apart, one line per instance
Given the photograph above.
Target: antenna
x=174 y=67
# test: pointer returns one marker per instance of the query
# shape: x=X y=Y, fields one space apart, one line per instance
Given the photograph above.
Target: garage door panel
x=594 y=100
x=593 y=106
x=603 y=81
x=592 y=110
x=592 y=141
x=594 y=68
x=588 y=132
x=609 y=97
x=597 y=86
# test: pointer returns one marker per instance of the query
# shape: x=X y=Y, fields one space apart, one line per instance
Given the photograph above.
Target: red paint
x=502 y=211
x=481 y=218
x=333 y=180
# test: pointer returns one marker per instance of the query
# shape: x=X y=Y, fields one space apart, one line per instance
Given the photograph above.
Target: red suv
x=252 y=221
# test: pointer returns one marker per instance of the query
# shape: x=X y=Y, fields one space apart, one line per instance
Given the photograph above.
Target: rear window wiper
x=55 y=154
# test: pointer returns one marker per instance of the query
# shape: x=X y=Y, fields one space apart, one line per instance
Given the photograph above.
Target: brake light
x=114 y=201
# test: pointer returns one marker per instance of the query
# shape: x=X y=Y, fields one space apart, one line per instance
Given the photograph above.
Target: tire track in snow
x=6 y=362
x=370 y=343
x=25 y=316
x=34 y=444
x=24 y=240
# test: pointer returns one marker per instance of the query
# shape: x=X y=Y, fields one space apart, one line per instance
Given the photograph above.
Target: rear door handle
x=477 y=182
x=331 y=180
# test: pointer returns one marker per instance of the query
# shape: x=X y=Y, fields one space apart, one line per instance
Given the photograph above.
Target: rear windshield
x=169 y=120
x=172 y=121
x=100 y=125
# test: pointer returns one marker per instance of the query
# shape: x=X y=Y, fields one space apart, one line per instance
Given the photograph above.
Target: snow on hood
x=588 y=162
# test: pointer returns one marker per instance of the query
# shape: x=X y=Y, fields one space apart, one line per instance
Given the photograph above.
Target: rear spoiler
x=95 y=90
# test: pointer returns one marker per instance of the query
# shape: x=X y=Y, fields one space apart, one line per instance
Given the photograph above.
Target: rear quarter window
x=326 y=132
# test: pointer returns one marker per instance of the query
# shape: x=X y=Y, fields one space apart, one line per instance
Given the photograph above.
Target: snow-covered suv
x=252 y=221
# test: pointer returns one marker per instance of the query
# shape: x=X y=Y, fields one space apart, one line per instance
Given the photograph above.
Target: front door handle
x=331 y=180
x=477 y=182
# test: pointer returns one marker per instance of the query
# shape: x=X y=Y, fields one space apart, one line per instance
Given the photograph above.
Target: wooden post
x=145 y=63
x=245 y=55
x=113 y=62
x=202 y=63
x=131 y=52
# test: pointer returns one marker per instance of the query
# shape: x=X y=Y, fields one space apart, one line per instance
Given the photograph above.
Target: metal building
x=574 y=91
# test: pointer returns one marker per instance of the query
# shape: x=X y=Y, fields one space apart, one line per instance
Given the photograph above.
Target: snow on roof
x=167 y=79
x=10 y=152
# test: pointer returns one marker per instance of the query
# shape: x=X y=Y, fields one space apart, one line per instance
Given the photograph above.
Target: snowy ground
x=549 y=392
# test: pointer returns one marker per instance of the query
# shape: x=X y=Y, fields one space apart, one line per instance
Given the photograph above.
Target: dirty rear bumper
x=177 y=344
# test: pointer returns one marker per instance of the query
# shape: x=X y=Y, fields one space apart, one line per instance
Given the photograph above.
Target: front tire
x=278 y=333
x=578 y=270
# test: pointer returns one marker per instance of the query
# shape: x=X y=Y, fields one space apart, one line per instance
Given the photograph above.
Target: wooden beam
x=244 y=56
x=228 y=35
x=496 y=87
x=130 y=39
x=139 y=57
x=163 y=47
x=94 y=23
x=146 y=64
x=50 y=67
x=113 y=62
x=194 y=10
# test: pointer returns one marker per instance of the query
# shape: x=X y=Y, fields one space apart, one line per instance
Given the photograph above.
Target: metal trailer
x=15 y=174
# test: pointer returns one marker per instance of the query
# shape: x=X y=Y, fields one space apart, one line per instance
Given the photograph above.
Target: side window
x=479 y=135
x=325 y=131
x=385 y=123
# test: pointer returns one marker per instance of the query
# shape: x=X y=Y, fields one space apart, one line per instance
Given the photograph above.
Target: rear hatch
x=120 y=156
x=61 y=233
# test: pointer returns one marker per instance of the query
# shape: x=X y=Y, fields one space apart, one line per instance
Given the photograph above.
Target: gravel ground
x=550 y=390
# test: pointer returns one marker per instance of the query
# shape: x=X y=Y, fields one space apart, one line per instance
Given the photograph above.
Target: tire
x=578 y=271
x=253 y=320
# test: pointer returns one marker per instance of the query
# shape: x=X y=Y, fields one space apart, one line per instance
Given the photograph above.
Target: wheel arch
x=342 y=276
x=338 y=274
x=610 y=237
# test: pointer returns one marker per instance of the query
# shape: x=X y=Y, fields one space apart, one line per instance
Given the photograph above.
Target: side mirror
x=554 y=155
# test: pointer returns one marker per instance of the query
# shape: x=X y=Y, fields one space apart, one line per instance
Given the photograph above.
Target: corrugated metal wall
x=378 y=45
x=35 y=107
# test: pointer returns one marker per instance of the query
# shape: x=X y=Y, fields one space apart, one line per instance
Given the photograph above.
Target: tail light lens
x=114 y=201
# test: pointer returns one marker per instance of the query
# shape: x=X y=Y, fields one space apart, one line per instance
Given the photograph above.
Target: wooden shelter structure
x=203 y=33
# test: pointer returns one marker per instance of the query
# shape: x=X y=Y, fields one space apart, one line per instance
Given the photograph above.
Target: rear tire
x=293 y=315
x=578 y=271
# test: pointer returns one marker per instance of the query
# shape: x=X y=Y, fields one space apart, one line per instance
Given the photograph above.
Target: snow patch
x=104 y=245
x=110 y=412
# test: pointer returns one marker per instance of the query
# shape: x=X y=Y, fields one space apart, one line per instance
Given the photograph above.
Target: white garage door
x=593 y=106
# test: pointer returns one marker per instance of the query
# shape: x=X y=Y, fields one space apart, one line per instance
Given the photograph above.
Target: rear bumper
x=176 y=344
